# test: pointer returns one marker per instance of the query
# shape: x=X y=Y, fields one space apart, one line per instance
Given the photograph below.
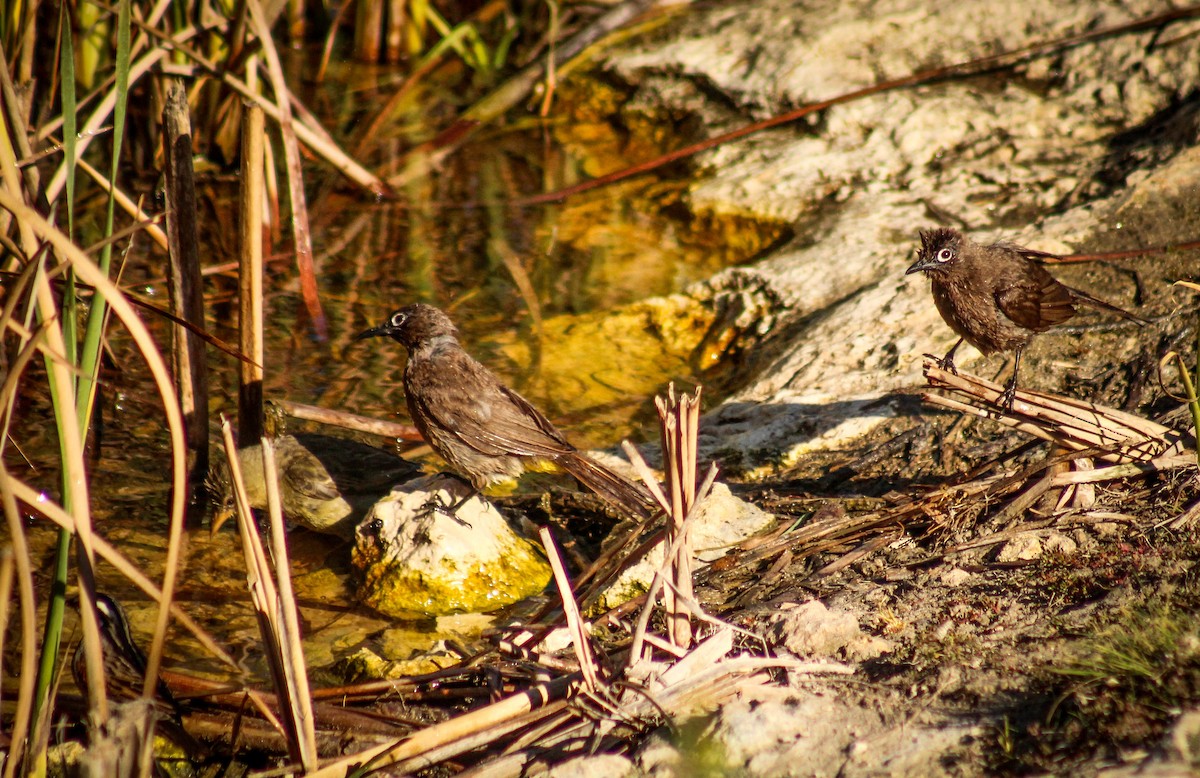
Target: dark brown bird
x=485 y=430
x=996 y=297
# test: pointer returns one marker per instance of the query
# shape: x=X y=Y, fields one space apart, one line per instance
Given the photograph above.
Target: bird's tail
x=629 y=496
x=1095 y=302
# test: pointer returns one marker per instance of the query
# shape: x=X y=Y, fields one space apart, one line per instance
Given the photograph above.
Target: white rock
x=417 y=559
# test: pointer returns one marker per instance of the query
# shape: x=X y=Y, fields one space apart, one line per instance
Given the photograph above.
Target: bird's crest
x=934 y=240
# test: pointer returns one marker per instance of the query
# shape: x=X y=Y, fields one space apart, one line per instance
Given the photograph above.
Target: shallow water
x=500 y=270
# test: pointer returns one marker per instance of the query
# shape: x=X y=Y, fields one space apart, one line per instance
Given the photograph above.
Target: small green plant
x=1136 y=649
x=1006 y=738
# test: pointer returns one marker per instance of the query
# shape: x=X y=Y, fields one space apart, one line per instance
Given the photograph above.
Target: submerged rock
x=415 y=559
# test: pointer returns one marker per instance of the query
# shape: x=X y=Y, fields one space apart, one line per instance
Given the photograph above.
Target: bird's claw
x=945 y=363
x=1008 y=397
x=435 y=505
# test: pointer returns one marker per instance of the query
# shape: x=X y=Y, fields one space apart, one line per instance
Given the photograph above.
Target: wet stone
x=416 y=559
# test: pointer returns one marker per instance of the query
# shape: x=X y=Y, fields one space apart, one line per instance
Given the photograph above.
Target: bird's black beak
x=922 y=263
x=375 y=332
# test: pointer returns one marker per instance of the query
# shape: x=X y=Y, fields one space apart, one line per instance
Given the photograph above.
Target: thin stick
x=351 y=421
x=250 y=278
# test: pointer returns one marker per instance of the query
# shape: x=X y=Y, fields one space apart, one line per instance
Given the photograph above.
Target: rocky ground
x=988 y=633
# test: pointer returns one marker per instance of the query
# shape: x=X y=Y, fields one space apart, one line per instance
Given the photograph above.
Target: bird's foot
x=1008 y=396
x=945 y=363
x=435 y=505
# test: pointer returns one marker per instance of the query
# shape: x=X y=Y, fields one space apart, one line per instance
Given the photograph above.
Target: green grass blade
x=52 y=627
x=90 y=358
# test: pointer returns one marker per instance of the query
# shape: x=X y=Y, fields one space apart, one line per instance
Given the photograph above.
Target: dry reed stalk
x=250 y=278
x=301 y=236
x=267 y=606
x=15 y=112
x=679 y=419
x=1074 y=424
x=1124 y=470
x=579 y=632
x=23 y=710
x=186 y=290
x=287 y=622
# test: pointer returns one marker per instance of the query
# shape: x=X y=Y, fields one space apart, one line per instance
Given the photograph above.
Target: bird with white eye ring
x=996 y=297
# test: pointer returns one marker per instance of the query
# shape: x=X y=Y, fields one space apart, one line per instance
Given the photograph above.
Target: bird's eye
x=397 y=319
x=945 y=255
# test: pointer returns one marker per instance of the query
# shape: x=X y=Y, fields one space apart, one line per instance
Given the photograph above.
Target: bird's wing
x=1052 y=292
x=1037 y=302
x=303 y=471
x=483 y=413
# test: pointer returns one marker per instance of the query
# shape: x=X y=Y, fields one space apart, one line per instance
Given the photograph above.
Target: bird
x=997 y=297
x=482 y=428
x=326 y=483
x=125 y=671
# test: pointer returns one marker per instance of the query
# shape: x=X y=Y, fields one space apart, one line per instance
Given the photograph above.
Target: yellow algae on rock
x=416 y=560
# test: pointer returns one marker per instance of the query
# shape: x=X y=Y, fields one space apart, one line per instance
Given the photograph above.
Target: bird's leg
x=1010 y=388
x=471 y=495
x=435 y=502
x=947 y=362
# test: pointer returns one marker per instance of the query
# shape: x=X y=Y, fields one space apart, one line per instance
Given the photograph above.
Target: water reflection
x=513 y=278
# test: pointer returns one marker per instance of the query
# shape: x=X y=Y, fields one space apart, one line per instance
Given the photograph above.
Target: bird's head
x=939 y=251
x=412 y=325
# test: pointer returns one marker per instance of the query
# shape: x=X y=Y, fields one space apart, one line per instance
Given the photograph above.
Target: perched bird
x=483 y=429
x=326 y=484
x=125 y=672
x=996 y=297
